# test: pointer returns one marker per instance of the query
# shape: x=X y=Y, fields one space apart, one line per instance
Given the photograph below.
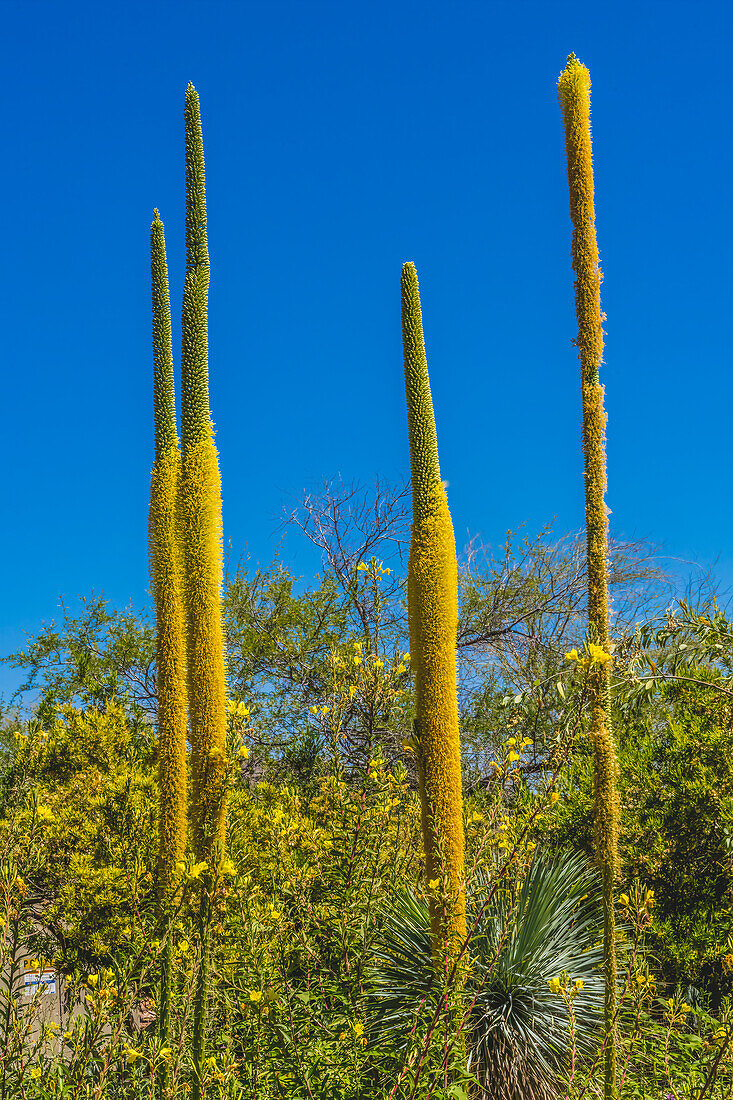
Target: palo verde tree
x=166 y=567
x=433 y=619
x=574 y=95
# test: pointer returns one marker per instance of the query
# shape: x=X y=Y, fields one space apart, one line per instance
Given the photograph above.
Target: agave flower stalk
x=202 y=523
x=432 y=595
x=574 y=95
x=166 y=568
x=201 y=511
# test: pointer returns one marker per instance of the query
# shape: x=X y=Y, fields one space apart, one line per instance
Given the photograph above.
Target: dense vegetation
x=437 y=827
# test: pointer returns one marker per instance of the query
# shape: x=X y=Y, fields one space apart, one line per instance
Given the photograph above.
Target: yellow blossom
x=572 y=655
x=379 y=664
x=255 y=996
x=554 y=797
x=513 y=756
x=228 y=868
x=362 y=567
x=598 y=655
x=554 y=984
x=433 y=884
x=357 y=660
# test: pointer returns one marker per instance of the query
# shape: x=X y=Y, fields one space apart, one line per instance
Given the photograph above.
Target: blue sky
x=342 y=139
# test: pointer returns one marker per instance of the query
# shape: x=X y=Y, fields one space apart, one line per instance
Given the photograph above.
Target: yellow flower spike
x=167 y=577
x=432 y=599
x=201 y=513
x=574 y=95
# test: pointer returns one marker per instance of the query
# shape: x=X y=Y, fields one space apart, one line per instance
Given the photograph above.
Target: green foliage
x=677 y=818
x=522 y=936
x=91 y=787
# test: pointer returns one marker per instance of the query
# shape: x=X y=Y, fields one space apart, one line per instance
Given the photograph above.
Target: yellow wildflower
x=554 y=984
x=513 y=756
x=554 y=797
x=598 y=655
x=362 y=567
x=255 y=996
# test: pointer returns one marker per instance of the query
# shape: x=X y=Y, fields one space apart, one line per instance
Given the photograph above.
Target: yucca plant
x=574 y=95
x=432 y=601
x=521 y=940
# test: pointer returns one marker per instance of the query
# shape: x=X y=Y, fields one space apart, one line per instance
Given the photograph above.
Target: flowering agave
x=432 y=601
x=574 y=95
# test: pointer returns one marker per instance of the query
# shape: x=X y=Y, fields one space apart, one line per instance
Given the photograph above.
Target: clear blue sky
x=342 y=139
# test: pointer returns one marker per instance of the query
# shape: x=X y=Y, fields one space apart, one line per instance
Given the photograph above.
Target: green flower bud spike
x=574 y=95
x=202 y=524
x=166 y=569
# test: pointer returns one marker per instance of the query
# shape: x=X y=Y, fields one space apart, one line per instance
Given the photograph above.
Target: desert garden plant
x=574 y=95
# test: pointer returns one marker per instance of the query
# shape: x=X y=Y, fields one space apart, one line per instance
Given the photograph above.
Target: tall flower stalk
x=202 y=524
x=574 y=95
x=166 y=568
x=432 y=595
